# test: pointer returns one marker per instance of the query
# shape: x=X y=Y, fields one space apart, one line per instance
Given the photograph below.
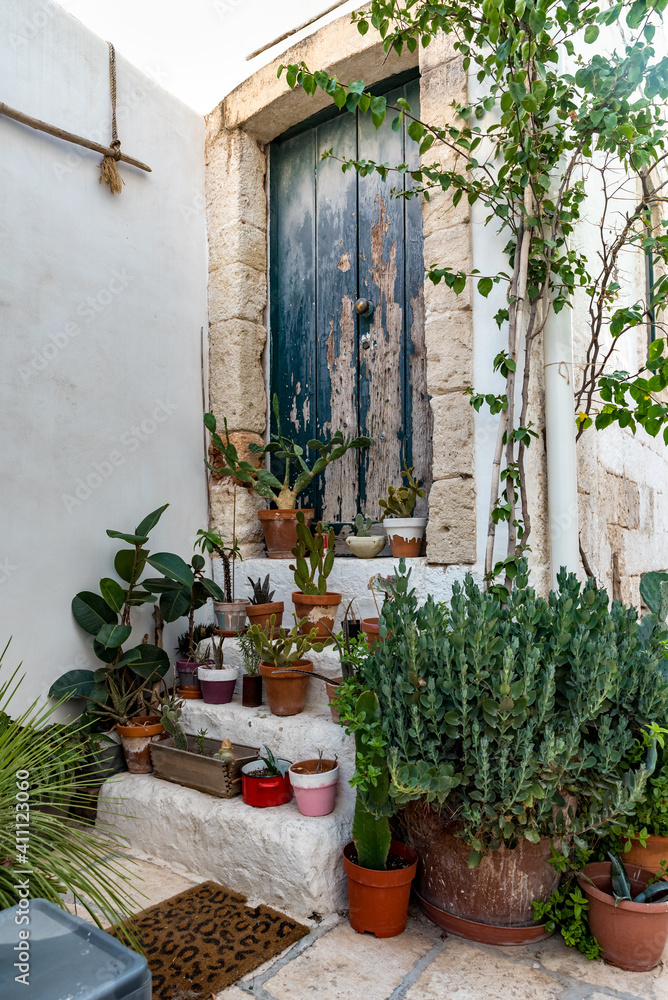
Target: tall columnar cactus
x=371 y=831
x=312 y=558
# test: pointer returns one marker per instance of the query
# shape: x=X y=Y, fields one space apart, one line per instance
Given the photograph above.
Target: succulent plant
x=401 y=502
x=219 y=663
x=261 y=592
x=200 y=632
x=282 y=650
x=171 y=709
x=363 y=526
x=270 y=762
x=621 y=887
x=312 y=558
x=199 y=741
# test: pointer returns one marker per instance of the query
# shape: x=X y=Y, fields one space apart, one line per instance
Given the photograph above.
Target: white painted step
x=290 y=861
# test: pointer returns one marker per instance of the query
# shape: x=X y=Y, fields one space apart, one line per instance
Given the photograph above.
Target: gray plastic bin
x=69 y=959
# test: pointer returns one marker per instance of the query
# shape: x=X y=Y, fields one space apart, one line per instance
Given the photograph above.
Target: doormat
x=206 y=938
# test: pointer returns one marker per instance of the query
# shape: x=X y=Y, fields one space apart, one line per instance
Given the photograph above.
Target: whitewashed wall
x=102 y=304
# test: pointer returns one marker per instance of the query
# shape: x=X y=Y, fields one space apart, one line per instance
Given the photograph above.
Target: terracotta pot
x=499 y=891
x=332 y=694
x=632 y=935
x=137 y=738
x=473 y=930
x=280 y=530
x=231 y=615
x=260 y=614
x=286 y=689
x=251 y=691
x=371 y=629
x=650 y=856
x=314 y=790
x=405 y=535
x=266 y=790
x=378 y=900
x=189 y=693
x=320 y=609
x=218 y=685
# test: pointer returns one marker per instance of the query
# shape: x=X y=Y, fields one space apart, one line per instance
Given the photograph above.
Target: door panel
x=336 y=237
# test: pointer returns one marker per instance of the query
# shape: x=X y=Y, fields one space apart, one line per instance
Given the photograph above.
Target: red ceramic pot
x=265 y=790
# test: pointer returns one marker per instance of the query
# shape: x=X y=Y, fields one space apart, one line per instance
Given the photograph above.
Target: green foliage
x=211 y=541
x=654 y=592
x=270 y=762
x=314 y=556
x=286 y=647
x=401 y=502
x=171 y=709
x=261 y=592
x=371 y=826
x=362 y=526
x=566 y=909
x=509 y=714
x=200 y=632
x=650 y=817
x=264 y=482
x=199 y=741
x=39 y=764
x=249 y=654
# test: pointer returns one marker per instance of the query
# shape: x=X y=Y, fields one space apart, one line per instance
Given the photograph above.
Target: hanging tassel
x=109 y=167
x=109 y=175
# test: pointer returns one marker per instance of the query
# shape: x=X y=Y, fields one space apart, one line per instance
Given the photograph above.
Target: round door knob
x=364 y=308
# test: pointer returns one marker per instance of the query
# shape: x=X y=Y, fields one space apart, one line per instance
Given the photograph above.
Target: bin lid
x=67 y=957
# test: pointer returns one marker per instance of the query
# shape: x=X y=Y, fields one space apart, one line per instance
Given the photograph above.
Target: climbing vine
x=567 y=92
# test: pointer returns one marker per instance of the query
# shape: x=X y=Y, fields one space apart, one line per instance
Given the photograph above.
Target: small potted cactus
x=314 y=560
x=266 y=782
x=283 y=666
x=261 y=606
x=217 y=681
x=404 y=531
x=363 y=544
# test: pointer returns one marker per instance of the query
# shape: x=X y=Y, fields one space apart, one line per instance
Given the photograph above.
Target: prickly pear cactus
x=170 y=720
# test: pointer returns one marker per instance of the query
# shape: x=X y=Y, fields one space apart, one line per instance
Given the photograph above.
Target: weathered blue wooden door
x=335 y=238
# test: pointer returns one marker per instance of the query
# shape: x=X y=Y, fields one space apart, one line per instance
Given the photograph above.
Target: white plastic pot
x=405 y=535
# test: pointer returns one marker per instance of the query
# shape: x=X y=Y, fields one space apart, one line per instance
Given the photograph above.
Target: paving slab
x=568 y=962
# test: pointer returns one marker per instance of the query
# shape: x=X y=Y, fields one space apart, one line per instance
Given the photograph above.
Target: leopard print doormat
x=206 y=938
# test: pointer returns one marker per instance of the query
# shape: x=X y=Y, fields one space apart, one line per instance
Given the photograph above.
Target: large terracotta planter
x=320 y=609
x=378 y=900
x=632 y=935
x=286 y=690
x=260 y=614
x=137 y=738
x=280 y=530
x=405 y=535
x=498 y=892
x=650 y=856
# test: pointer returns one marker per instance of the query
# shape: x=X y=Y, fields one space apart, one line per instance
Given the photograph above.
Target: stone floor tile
x=234 y=993
x=465 y=972
x=555 y=957
x=344 y=965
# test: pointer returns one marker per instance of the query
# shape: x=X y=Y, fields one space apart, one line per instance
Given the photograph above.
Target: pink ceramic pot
x=314 y=790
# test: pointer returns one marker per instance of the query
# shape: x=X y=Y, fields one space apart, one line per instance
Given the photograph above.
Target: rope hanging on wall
x=112 y=153
x=108 y=168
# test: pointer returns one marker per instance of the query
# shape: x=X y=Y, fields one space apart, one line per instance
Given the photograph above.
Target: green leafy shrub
x=507 y=716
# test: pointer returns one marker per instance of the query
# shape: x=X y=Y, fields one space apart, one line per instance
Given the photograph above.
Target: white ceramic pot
x=366 y=547
x=211 y=674
x=405 y=535
x=218 y=685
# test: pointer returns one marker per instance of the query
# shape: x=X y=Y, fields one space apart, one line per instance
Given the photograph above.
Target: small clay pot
x=320 y=609
x=631 y=935
x=650 y=856
x=280 y=530
x=332 y=695
x=137 y=738
x=378 y=900
x=315 y=790
x=286 y=689
x=405 y=535
x=251 y=691
x=260 y=614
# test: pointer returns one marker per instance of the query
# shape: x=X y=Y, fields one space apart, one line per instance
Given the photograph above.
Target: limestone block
x=235 y=172
x=236 y=377
x=223 y=520
x=453 y=448
x=237 y=291
x=238 y=242
x=451 y=531
x=440 y=88
x=449 y=247
x=241 y=440
x=439 y=51
x=449 y=340
x=439 y=213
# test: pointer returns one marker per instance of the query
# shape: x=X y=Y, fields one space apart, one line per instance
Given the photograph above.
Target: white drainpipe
x=562 y=483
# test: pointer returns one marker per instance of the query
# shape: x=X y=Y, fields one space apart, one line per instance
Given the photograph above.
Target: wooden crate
x=201 y=771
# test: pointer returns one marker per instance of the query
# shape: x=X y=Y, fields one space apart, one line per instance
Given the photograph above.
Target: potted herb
x=283 y=666
x=261 y=606
x=628 y=913
x=379 y=870
x=230 y=613
x=404 y=531
x=279 y=525
x=251 y=681
x=266 y=782
x=218 y=681
x=314 y=783
x=363 y=544
x=315 y=606
x=506 y=726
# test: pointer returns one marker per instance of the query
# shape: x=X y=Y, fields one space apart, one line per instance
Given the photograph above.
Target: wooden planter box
x=201 y=771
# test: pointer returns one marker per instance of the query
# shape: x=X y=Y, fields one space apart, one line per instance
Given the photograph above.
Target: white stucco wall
x=102 y=304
